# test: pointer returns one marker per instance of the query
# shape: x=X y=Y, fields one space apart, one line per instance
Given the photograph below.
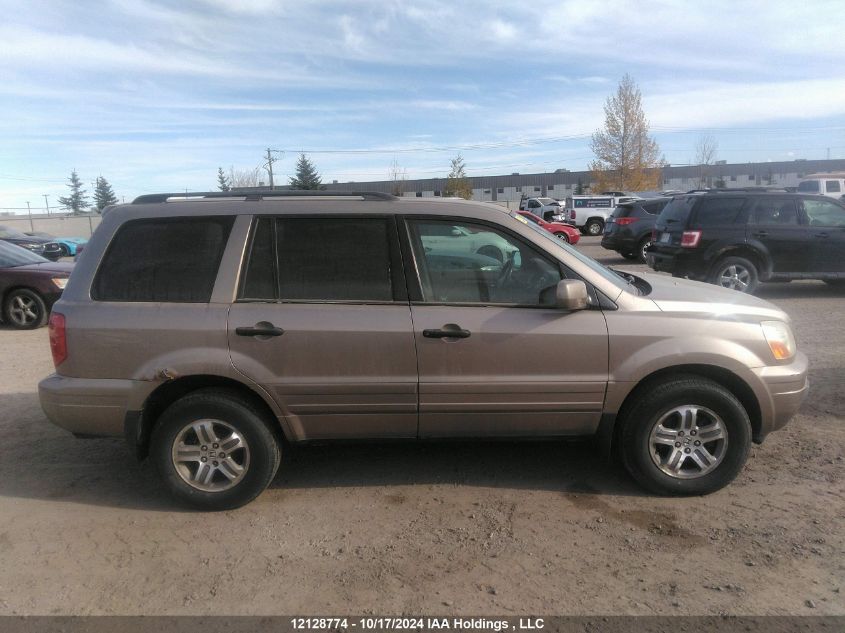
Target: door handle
x=451 y=333
x=260 y=329
x=761 y=234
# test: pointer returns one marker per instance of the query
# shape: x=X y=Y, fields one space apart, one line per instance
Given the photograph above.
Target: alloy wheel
x=24 y=311
x=210 y=455
x=688 y=442
x=735 y=277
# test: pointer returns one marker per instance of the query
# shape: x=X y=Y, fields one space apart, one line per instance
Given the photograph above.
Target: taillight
x=58 y=338
x=690 y=239
x=625 y=221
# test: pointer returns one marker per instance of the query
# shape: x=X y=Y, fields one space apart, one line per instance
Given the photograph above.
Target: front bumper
x=91 y=406
x=786 y=387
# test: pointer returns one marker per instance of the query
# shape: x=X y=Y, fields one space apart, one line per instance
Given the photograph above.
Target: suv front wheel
x=687 y=436
x=736 y=273
x=215 y=450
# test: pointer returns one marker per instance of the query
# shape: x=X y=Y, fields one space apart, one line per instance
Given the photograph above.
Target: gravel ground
x=449 y=528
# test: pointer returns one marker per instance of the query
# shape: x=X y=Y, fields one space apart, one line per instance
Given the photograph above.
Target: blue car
x=70 y=245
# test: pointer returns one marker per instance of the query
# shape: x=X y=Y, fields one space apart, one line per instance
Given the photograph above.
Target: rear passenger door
x=323 y=323
x=774 y=222
x=826 y=221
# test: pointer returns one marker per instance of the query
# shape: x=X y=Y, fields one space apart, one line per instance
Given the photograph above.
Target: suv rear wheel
x=736 y=273
x=687 y=436
x=593 y=226
x=215 y=450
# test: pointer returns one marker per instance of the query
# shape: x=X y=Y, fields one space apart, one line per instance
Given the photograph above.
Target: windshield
x=5 y=231
x=605 y=272
x=11 y=256
x=545 y=201
x=809 y=186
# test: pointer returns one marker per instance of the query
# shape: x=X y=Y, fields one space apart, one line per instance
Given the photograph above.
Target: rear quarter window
x=163 y=260
x=719 y=211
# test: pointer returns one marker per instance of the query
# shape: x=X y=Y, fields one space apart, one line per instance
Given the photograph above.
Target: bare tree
x=244 y=177
x=627 y=157
x=706 y=150
x=397 y=176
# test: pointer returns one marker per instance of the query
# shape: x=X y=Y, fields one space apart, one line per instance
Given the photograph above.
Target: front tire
x=24 y=309
x=685 y=436
x=562 y=235
x=215 y=450
x=736 y=273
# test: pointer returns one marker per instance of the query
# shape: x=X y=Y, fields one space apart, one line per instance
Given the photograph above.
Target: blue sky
x=155 y=95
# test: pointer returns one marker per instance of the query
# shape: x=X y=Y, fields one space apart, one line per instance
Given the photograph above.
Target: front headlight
x=780 y=339
x=61 y=282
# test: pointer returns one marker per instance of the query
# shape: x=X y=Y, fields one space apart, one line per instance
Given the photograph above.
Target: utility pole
x=29 y=211
x=269 y=164
x=46 y=204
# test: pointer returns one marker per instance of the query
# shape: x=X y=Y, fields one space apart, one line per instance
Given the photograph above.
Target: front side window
x=824 y=213
x=832 y=186
x=163 y=260
x=775 y=211
x=478 y=264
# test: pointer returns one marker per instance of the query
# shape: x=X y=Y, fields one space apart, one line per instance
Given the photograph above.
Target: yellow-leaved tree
x=627 y=157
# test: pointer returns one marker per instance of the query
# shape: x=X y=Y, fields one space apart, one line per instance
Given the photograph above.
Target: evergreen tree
x=306 y=175
x=103 y=194
x=457 y=183
x=77 y=201
x=222 y=180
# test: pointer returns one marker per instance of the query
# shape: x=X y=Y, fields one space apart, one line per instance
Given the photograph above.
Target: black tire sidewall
x=742 y=261
x=263 y=446
x=42 y=307
x=636 y=450
x=590 y=223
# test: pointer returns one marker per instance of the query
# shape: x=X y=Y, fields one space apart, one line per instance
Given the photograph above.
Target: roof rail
x=260 y=195
x=736 y=190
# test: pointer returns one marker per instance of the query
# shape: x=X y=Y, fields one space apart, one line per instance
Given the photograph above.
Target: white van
x=831 y=185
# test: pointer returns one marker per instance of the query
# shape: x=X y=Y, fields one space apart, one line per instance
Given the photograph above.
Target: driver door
x=493 y=359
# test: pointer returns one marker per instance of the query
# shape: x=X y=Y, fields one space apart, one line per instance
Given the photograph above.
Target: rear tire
x=644 y=244
x=736 y=273
x=659 y=434
x=24 y=309
x=594 y=227
x=190 y=463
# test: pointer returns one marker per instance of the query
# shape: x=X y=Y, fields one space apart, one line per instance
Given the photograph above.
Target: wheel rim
x=688 y=442
x=563 y=236
x=594 y=228
x=24 y=310
x=210 y=455
x=643 y=250
x=735 y=277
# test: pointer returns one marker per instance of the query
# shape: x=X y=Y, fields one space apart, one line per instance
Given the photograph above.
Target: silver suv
x=213 y=329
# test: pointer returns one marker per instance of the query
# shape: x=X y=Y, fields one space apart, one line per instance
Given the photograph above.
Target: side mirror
x=568 y=294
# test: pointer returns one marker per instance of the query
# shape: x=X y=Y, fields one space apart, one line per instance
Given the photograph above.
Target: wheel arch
x=139 y=425
x=611 y=425
x=756 y=256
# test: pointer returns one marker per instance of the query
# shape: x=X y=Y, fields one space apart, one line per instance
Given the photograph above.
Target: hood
x=52 y=268
x=672 y=294
x=28 y=239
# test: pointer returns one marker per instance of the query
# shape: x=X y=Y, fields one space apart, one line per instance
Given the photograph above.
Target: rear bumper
x=787 y=386
x=89 y=406
x=681 y=263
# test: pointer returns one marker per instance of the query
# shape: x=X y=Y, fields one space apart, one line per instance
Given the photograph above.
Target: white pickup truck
x=589 y=213
x=544 y=208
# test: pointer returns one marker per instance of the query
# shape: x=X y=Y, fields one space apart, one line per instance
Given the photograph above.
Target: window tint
x=809 y=186
x=333 y=259
x=824 y=213
x=260 y=276
x=654 y=208
x=167 y=259
x=775 y=211
x=677 y=211
x=718 y=210
x=832 y=186
x=478 y=264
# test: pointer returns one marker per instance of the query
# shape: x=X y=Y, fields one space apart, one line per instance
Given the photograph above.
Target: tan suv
x=211 y=330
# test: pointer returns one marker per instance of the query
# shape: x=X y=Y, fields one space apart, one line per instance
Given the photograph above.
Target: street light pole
x=29 y=212
x=47 y=204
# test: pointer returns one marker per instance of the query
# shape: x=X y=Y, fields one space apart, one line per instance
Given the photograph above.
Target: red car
x=568 y=234
x=29 y=286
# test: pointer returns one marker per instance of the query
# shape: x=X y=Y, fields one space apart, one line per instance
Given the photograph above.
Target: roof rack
x=730 y=190
x=260 y=195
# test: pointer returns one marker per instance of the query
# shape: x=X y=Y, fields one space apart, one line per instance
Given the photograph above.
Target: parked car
x=590 y=213
x=284 y=317
x=29 y=286
x=68 y=245
x=545 y=208
x=737 y=238
x=38 y=245
x=628 y=229
x=831 y=185
x=568 y=234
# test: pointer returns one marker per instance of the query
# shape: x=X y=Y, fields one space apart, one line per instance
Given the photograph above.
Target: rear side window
x=832 y=186
x=163 y=260
x=718 y=210
x=775 y=211
x=809 y=186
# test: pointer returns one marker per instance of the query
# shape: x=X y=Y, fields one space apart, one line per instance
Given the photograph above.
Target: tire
x=65 y=250
x=259 y=454
x=737 y=273
x=650 y=456
x=631 y=256
x=562 y=235
x=24 y=309
x=644 y=244
x=594 y=227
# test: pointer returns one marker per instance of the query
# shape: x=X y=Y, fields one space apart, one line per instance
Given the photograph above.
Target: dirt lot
x=437 y=528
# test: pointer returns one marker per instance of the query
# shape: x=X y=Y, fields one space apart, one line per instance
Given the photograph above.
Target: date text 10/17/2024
x=416 y=624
